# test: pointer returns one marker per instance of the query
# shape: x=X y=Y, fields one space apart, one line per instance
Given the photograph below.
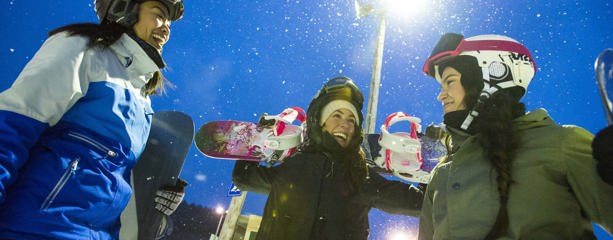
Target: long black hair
x=103 y=36
x=499 y=142
x=353 y=157
x=493 y=129
x=317 y=140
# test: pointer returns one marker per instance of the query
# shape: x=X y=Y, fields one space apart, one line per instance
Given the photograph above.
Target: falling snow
x=238 y=59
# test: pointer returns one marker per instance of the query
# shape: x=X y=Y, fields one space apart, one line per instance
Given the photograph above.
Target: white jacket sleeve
x=52 y=81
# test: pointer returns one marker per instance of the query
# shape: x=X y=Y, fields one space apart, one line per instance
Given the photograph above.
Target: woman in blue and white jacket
x=76 y=119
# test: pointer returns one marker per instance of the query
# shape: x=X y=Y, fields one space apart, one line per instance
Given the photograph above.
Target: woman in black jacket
x=325 y=191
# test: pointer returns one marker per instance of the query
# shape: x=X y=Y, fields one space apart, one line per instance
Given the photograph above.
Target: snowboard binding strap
x=282 y=141
x=402 y=149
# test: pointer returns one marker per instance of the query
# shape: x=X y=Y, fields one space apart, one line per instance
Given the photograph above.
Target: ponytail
x=499 y=142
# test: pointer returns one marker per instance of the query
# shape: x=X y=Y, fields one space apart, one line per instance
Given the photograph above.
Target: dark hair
x=353 y=156
x=493 y=129
x=499 y=142
x=358 y=169
x=103 y=36
x=471 y=79
x=337 y=88
x=316 y=141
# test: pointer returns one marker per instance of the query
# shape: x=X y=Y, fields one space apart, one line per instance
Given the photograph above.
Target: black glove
x=435 y=132
x=168 y=198
x=602 y=150
x=266 y=123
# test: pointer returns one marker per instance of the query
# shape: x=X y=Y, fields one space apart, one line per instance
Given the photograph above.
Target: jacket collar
x=534 y=119
x=139 y=66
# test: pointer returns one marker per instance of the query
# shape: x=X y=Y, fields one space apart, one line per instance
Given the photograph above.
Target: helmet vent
x=498 y=70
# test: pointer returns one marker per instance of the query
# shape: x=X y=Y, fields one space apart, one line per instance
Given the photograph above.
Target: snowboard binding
x=402 y=150
x=279 y=136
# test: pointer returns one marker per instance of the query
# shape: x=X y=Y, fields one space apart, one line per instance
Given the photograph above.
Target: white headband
x=336 y=105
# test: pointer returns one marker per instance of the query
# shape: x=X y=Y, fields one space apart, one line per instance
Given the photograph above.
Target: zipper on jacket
x=70 y=171
x=317 y=228
x=93 y=143
x=331 y=171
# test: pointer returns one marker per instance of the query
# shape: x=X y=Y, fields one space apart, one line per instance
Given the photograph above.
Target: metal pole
x=234 y=211
x=373 y=97
x=219 y=225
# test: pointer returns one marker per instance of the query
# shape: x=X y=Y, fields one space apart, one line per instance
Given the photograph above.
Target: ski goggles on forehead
x=475 y=45
x=337 y=82
x=342 y=87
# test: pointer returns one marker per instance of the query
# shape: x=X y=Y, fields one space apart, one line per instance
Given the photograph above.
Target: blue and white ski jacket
x=71 y=128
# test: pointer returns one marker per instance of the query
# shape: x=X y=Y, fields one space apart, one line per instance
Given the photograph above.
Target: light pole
x=221 y=212
x=373 y=96
x=230 y=222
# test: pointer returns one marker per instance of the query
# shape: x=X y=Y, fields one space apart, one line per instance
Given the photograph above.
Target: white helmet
x=504 y=62
x=125 y=12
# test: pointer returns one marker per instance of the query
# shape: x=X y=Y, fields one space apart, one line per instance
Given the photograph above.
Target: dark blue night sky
x=237 y=59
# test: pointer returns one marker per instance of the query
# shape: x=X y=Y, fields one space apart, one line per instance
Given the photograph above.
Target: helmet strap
x=488 y=90
x=151 y=51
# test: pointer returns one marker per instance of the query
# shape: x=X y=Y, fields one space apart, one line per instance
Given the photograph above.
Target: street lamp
x=221 y=212
x=373 y=96
x=400 y=235
x=402 y=8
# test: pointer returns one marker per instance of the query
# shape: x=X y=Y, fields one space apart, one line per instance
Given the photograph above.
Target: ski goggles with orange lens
x=342 y=87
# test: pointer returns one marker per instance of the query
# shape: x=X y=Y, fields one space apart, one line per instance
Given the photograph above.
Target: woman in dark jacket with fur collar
x=325 y=191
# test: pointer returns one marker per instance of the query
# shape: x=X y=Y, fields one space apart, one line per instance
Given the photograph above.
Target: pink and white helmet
x=504 y=62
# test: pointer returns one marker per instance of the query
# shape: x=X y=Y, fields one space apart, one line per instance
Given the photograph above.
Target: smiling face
x=452 y=92
x=341 y=125
x=153 y=24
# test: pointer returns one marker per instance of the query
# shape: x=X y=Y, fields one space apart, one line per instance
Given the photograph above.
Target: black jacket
x=309 y=198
